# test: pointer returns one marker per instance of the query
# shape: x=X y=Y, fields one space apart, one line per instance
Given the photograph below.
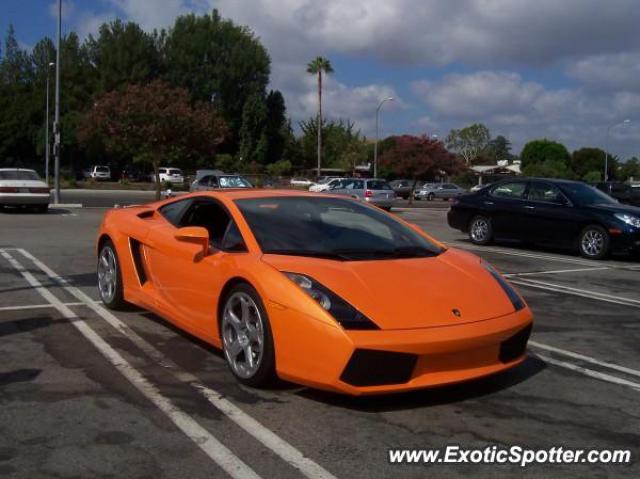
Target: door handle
x=529 y=207
x=489 y=203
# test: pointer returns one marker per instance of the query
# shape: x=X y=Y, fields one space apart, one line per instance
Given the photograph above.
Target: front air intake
x=515 y=346
x=370 y=367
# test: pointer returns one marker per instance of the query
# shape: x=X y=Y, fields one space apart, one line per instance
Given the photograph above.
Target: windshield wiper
x=310 y=253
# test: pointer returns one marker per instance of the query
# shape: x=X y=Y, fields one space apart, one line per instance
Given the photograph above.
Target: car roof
x=548 y=180
x=248 y=193
x=17 y=169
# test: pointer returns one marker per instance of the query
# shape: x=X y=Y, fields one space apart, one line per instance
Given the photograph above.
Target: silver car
x=374 y=191
x=215 y=182
x=21 y=187
x=444 y=191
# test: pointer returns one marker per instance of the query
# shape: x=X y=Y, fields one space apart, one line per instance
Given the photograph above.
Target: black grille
x=370 y=367
x=514 y=347
x=136 y=252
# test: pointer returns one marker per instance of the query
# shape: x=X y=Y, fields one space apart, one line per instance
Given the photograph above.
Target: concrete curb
x=65 y=205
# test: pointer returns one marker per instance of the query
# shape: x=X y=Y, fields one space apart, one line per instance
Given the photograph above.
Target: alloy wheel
x=107 y=274
x=243 y=334
x=480 y=230
x=593 y=242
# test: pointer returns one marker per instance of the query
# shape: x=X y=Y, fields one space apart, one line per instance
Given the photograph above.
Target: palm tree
x=316 y=67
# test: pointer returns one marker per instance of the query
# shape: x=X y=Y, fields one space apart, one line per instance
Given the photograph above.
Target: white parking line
x=590 y=372
x=268 y=438
x=587 y=359
x=35 y=306
x=556 y=271
x=219 y=453
x=583 y=293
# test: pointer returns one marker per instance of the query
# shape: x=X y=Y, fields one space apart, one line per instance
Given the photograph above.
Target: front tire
x=430 y=197
x=593 y=242
x=110 y=286
x=246 y=337
x=480 y=230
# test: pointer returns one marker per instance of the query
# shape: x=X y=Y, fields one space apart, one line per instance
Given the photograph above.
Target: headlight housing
x=345 y=314
x=628 y=219
x=514 y=297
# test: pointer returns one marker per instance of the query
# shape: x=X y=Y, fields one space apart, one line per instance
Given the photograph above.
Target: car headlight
x=345 y=314
x=514 y=297
x=629 y=219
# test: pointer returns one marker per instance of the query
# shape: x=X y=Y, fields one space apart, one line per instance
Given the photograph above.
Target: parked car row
x=560 y=213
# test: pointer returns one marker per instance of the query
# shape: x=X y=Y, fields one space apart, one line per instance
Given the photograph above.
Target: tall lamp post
x=56 y=121
x=46 y=130
x=606 y=147
x=375 y=146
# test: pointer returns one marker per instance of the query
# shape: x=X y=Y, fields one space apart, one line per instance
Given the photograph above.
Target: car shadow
x=431 y=396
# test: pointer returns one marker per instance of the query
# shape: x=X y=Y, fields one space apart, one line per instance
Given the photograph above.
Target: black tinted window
x=513 y=190
x=209 y=215
x=232 y=240
x=545 y=192
x=378 y=185
x=204 y=181
x=173 y=212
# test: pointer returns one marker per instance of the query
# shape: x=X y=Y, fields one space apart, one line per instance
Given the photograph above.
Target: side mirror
x=195 y=235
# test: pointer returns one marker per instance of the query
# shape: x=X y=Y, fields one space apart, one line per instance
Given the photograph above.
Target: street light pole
x=606 y=147
x=375 y=146
x=46 y=130
x=56 y=122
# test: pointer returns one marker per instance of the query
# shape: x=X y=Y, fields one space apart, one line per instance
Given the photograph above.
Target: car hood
x=617 y=208
x=23 y=183
x=408 y=293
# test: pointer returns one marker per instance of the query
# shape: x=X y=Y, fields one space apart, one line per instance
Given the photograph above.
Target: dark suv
x=622 y=192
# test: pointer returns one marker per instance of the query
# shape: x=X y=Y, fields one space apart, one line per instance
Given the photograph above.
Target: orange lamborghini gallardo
x=320 y=290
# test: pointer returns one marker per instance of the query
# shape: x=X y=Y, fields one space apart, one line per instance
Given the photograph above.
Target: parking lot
x=88 y=393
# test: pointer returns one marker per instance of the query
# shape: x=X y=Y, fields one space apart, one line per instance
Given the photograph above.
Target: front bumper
x=381 y=202
x=626 y=243
x=378 y=362
x=18 y=199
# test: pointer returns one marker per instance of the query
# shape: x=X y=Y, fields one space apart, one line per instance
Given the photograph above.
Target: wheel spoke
x=234 y=349
x=248 y=356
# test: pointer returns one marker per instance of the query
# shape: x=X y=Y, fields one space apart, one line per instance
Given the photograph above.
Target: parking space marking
x=556 y=271
x=462 y=245
x=587 y=359
x=590 y=372
x=219 y=453
x=557 y=288
x=265 y=436
x=35 y=306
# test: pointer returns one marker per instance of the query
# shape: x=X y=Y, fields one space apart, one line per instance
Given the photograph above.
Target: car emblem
x=456 y=313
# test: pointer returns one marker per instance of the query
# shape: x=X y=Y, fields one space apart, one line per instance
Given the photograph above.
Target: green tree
x=540 y=151
x=279 y=168
x=154 y=124
x=275 y=126
x=499 y=149
x=318 y=66
x=552 y=168
x=122 y=54
x=630 y=169
x=343 y=146
x=253 y=135
x=592 y=177
x=468 y=142
x=217 y=61
x=588 y=160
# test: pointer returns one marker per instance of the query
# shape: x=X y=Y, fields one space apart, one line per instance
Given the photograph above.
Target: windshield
x=233 y=182
x=378 y=185
x=102 y=169
x=175 y=172
x=583 y=194
x=19 y=175
x=331 y=228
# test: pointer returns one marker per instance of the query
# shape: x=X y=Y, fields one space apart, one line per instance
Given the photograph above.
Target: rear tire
x=480 y=230
x=430 y=197
x=40 y=209
x=110 y=286
x=593 y=242
x=245 y=333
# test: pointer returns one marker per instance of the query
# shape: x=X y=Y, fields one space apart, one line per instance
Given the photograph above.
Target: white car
x=100 y=172
x=173 y=175
x=324 y=184
x=299 y=181
x=20 y=187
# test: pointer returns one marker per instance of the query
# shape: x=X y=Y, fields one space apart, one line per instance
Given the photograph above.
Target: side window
x=547 y=192
x=162 y=171
x=213 y=181
x=223 y=233
x=204 y=181
x=514 y=190
x=232 y=240
x=174 y=211
x=358 y=185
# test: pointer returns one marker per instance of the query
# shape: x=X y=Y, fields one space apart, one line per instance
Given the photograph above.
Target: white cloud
x=523 y=110
x=619 y=71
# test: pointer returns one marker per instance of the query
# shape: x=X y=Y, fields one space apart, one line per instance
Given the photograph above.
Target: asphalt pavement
x=88 y=393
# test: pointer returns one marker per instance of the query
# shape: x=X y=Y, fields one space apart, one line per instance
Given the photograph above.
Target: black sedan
x=563 y=213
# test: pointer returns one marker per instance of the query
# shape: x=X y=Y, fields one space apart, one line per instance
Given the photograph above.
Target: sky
x=567 y=70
